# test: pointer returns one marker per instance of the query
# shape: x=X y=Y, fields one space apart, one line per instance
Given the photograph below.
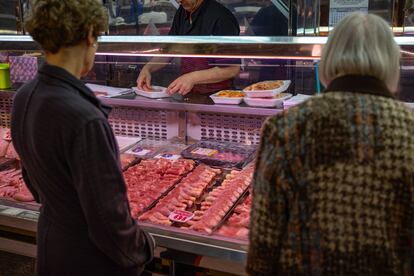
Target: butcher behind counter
x=198 y=75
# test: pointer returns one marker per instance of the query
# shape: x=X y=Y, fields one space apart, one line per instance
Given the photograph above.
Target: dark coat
x=71 y=164
x=333 y=191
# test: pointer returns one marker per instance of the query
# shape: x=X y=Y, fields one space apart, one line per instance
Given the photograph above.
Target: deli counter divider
x=167 y=119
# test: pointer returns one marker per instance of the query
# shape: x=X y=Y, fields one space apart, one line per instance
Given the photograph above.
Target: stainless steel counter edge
x=165 y=237
x=169 y=104
x=401 y=40
x=299 y=48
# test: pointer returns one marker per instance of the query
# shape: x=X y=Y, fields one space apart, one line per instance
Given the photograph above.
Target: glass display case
x=183 y=120
x=255 y=17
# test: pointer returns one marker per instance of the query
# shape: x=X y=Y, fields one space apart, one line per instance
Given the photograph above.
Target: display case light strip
x=206 y=56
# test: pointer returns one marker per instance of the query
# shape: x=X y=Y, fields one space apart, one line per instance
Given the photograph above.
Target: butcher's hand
x=144 y=80
x=182 y=85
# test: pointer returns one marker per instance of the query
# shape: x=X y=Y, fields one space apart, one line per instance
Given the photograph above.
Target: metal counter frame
x=15 y=218
x=299 y=48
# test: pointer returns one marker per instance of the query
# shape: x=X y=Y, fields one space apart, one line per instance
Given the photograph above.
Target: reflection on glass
x=409 y=13
x=382 y=8
x=156 y=17
x=8 y=22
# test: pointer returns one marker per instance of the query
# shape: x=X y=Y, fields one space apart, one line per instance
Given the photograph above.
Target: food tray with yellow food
x=268 y=88
x=228 y=97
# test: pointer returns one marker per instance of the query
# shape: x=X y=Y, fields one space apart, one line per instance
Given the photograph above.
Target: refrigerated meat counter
x=181 y=121
x=179 y=125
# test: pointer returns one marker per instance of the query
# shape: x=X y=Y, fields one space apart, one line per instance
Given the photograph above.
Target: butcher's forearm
x=215 y=74
x=156 y=63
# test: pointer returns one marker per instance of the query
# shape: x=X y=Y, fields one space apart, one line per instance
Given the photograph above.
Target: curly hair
x=63 y=23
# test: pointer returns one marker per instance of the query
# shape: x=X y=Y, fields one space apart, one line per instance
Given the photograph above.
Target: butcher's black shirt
x=71 y=163
x=211 y=18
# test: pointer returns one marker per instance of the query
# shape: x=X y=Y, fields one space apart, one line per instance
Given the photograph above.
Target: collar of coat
x=359 y=84
x=85 y=92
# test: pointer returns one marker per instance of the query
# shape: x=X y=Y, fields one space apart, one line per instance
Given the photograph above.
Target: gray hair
x=361 y=44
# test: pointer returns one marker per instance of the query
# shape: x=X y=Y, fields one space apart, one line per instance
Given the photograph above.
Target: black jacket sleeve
x=29 y=185
x=102 y=194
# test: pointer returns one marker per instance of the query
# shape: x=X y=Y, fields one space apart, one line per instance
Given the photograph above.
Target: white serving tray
x=267 y=102
x=153 y=95
x=225 y=100
x=108 y=90
x=295 y=100
x=268 y=93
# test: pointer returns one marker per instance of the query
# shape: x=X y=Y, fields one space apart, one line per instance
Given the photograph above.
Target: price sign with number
x=181 y=216
x=168 y=156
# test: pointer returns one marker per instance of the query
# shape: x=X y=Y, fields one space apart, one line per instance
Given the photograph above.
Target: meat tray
x=231 y=210
x=128 y=160
x=183 y=196
x=150 y=180
x=220 y=154
x=157 y=93
x=219 y=203
x=236 y=224
x=208 y=195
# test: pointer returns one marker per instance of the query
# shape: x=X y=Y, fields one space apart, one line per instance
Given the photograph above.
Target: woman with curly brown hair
x=69 y=155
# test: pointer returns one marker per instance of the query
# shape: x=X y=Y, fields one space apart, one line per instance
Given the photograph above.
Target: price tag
x=181 y=216
x=204 y=151
x=140 y=151
x=168 y=156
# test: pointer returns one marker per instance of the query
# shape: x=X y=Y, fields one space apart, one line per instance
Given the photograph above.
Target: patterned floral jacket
x=333 y=191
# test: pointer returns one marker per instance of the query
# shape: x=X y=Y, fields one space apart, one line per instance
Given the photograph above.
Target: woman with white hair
x=333 y=190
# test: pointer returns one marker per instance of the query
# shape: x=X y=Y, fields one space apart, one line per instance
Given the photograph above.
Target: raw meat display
x=11 y=152
x=237 y=226
x=128 y=160
x=148 y=180
x=4 y=143
x=183 y=196
x=12 y=186
x=219 y=201
x=222 y=154
x=24 y=194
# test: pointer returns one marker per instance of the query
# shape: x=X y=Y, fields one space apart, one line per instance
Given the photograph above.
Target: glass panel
x=121 y=71
x=9 y=22
x=409 y=17
x=151 y=17
x=382 y=8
